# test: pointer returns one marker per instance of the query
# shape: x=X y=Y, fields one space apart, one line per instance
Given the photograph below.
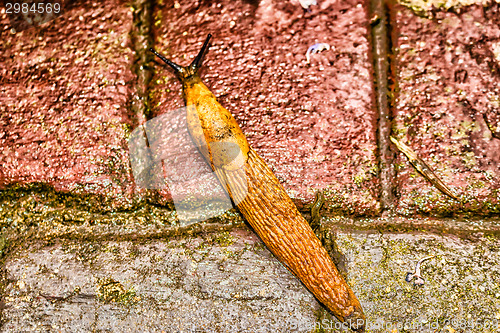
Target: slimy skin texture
x=260 y=197
x=210 y=123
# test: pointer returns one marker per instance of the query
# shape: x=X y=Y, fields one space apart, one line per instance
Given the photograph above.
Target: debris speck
x=316 y=48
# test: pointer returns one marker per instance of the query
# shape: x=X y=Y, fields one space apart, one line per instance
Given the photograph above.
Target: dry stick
x=423 y=168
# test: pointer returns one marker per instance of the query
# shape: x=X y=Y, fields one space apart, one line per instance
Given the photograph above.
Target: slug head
x=189 y=72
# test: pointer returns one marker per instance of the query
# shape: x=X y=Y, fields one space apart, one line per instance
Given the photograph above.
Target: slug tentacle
x=177 y=69
x=188 y=72
x=260 y=197
x=198 y=61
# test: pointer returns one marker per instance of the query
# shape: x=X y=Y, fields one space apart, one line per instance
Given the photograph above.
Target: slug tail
x=188 y=72
x=273 y=215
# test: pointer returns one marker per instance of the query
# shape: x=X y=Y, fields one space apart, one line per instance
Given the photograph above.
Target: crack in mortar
x=381 y=44
x=142 y=40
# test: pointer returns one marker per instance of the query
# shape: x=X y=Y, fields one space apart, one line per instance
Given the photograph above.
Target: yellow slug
x=260 y=197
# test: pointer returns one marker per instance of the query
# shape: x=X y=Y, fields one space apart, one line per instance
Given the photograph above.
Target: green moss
x=495 y=99
x=3 y=245
x=399 y=166
x=231 y=254
x=259 y=247
x=469 y=159
x=359 y=178
x=158 y=18
x=224 y=239
x=108 y=290
x=50 y=213
x=425 y=8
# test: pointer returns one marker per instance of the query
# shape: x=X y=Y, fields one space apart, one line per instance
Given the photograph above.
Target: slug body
x=260 y=197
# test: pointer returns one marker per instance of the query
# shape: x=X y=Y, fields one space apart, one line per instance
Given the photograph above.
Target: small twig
x=61 y=298
x=423 y=168
x=417 y=275
x=495 y=132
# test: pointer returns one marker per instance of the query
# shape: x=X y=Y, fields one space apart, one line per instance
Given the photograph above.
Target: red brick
x=449 y=84
x=63 y=111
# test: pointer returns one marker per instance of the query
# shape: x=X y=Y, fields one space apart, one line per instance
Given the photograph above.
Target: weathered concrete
x=230 y=282
x=221 y=282
x=462 y=282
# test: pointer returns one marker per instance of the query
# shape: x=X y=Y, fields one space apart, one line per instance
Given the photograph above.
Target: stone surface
x=313 y=123
x=64 y=89
x=462 y=288
x=447 y=109
x=230 y=282
x=220 y=282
